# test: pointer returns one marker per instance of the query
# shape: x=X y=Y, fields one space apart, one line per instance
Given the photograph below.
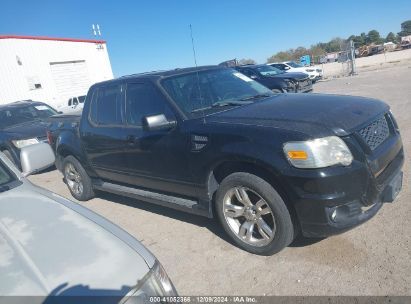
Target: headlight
x=290 y=83
x=318 y=153
x=25 y=142
x=156 y=283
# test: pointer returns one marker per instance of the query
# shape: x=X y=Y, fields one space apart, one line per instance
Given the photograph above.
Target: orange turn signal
x=297 y=154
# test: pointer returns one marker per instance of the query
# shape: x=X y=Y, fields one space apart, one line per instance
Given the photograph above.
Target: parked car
x=74 y=104
x=276 y=80
x=291 y=67
x=214 y=142
x=50 y=246
x=23 y=123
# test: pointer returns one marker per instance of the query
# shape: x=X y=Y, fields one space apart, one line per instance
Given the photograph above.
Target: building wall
x=24 y=62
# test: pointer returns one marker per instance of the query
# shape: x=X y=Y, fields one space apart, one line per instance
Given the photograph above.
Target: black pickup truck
x=214 y=142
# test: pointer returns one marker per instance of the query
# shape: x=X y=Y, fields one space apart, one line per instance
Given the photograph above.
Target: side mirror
x=158 y=122
x=286 y=68
x=253 y=76
x=35 y=158
x=59 y=112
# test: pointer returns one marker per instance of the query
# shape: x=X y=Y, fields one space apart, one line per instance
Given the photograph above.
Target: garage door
x=71 y=78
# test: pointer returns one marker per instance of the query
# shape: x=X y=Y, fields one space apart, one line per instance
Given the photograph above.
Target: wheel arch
x=227 y=167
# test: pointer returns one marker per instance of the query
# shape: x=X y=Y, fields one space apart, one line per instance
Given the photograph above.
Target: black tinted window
x=106 y=106
x=143 y=99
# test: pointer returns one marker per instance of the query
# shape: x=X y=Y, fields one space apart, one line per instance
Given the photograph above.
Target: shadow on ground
x=211 y=224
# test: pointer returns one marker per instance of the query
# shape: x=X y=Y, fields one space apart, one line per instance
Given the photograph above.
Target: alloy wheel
x=73 y=179
x=249 y=216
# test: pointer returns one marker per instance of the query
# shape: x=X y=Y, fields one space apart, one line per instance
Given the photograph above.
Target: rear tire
x=253 y=214
x=77 y=179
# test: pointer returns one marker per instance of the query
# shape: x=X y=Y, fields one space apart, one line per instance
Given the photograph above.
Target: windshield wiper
x=221 y=104
x=258 y=96
x=228 y=103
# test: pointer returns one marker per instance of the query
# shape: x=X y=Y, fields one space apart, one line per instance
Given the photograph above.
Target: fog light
x=334 y=215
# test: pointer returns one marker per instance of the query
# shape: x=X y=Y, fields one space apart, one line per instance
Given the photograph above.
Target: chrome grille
x=375 y=133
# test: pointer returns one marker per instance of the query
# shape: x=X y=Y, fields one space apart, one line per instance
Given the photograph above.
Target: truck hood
x=311 y=114
x=27 y=130
x=46 y=247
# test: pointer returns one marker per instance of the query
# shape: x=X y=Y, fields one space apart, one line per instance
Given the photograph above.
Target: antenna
x=198 y=77
x=94 y=30
x=192 y=43
x=98 y=30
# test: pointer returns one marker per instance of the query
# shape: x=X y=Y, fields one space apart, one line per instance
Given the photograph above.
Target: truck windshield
x=15 y=115
x=204 y=89
x=267 y=70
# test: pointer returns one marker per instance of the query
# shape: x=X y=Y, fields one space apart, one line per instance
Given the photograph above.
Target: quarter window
x=106 y=106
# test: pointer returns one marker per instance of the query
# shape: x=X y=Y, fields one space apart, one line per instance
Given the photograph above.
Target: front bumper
x=334 y=200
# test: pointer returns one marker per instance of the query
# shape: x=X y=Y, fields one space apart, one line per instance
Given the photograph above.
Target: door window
x=106 y=106
x=143 y=99
x=69 y=102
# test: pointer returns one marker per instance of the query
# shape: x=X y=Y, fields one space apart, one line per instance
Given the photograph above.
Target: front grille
x=375 y=133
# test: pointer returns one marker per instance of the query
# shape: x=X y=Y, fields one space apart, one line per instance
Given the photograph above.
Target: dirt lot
x=374 y=259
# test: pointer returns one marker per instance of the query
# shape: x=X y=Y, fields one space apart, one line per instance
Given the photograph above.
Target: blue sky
x=151 y=35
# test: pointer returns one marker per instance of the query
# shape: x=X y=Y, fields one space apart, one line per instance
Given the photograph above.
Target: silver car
x=52 y=246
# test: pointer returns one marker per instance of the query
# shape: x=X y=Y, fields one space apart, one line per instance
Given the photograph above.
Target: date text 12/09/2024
x=205 y=299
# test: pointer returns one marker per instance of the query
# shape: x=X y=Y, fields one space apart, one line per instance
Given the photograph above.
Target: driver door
x=152 y=157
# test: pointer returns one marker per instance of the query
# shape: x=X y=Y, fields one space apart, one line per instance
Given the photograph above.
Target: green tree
x=280 y=56
x=316 y=51
x=405 y=28
x=334 y=45
x=247 y=61
x=374 y=37
x=391 y=37
x=358 y=40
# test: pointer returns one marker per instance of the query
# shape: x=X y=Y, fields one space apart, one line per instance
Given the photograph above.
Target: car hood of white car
x=47 y=248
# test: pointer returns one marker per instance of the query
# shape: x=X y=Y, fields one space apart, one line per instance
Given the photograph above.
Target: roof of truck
x=162 y=74
x=178 y=71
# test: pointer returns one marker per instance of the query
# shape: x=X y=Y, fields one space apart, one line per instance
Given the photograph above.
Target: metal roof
x=50 y=38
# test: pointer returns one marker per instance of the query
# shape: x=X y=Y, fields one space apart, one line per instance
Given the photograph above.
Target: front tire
x=77 y=179
x=253 y=214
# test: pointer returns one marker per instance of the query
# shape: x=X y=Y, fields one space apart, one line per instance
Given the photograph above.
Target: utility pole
x=352 y=49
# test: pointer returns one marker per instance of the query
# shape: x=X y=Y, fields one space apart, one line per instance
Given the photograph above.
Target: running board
x=165 y=200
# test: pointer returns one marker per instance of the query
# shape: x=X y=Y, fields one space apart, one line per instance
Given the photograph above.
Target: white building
x=50 y=70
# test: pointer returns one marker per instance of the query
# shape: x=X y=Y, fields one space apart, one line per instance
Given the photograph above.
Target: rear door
x=104 y=139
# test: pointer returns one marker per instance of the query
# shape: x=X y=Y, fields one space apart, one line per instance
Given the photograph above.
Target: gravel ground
x=373 y=259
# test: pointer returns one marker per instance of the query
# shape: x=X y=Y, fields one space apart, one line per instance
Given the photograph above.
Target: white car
x=74 y=104
x=290 y=66
x=52 y=249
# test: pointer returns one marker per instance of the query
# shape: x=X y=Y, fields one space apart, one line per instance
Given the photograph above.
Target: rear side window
x=143 y=99
x=106 y=106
